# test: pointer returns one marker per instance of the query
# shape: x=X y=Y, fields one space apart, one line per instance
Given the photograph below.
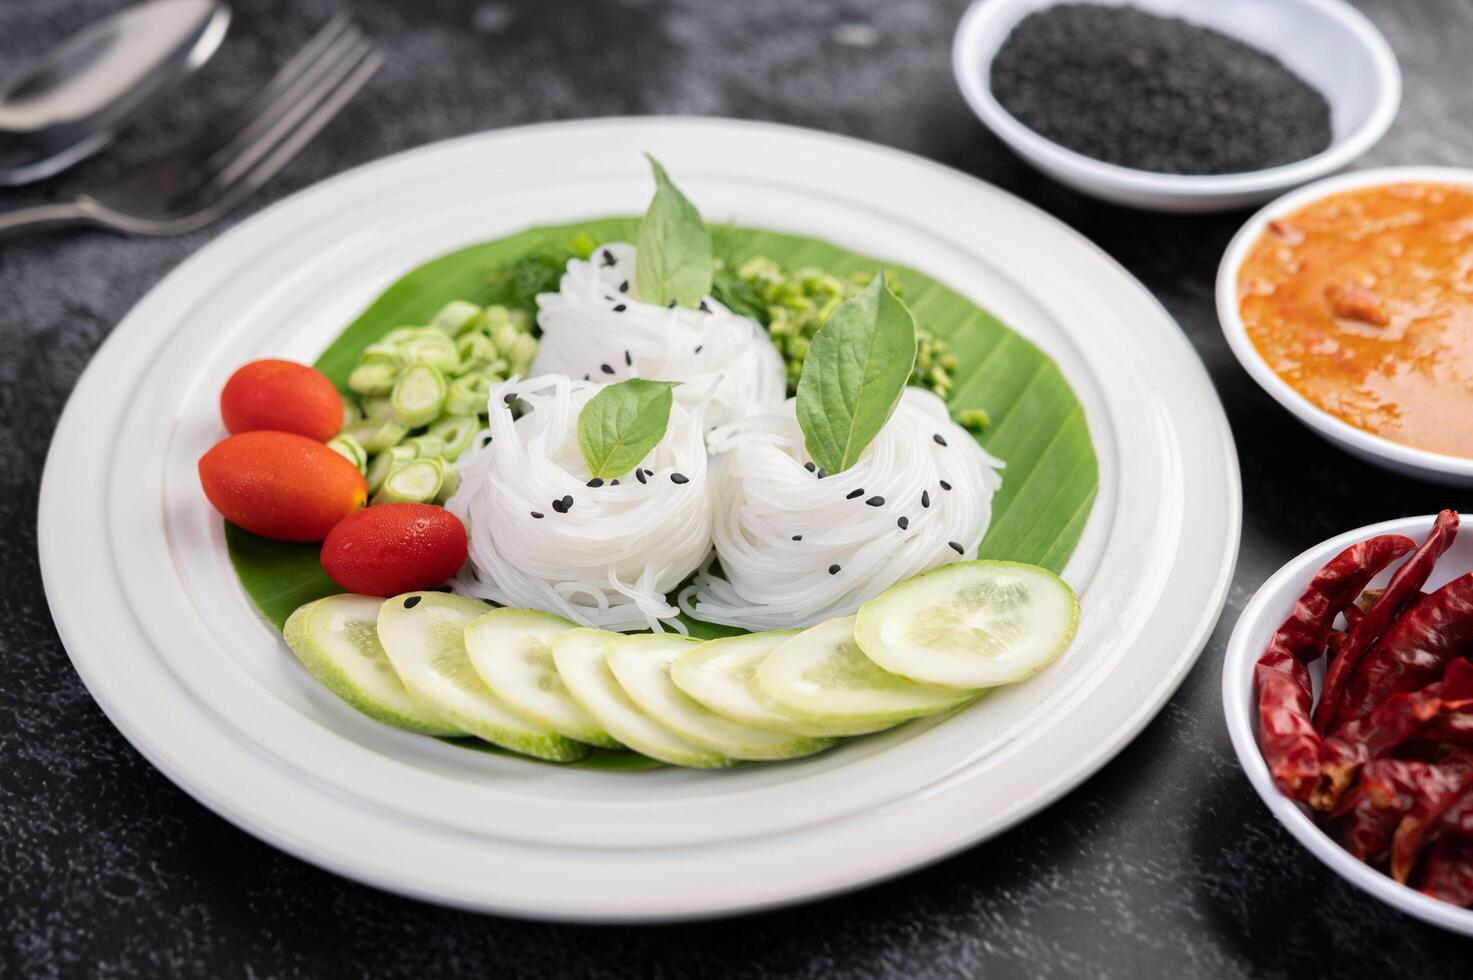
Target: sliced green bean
x=419 y=394
x=456 y=433
x=351 y=412
x=426 y=446
x=456 y=317
x=469 y=392
x=383 y=464
x=430 y=346
x=351 y=450
x=449 y=485
x=476 y=352
x=376 y=373
x=417 y=481
x=377 y=435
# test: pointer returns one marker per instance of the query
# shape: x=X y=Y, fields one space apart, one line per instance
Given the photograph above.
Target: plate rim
x=1122 y=733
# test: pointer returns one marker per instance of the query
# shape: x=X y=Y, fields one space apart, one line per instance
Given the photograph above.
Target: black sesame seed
x=595 y=483
x=903 y=523
x=587 y=378
x=876 y=501
x=821 y=473
x=810 y=467
x=537 y=514
x=945 y=485
x=563 y=505
x=833 y=569
x=613 y=483
x=620 y=308
x=704 y=307
x=925 y=498
x=608 y=257
x=411 y=602
x=672 y=304
x=956 y=547
x=854 y=493
x=606 y=369
x=939 y=441
x=639 y=475
x=624 y=286
x=608 y=298
x=628 y=361
x=698 y=348
x=509 y=397
x=797 y=537
x=679 y=478
x=485 y=441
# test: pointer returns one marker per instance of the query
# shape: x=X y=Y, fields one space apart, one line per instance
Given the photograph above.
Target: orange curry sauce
x=1363 y=303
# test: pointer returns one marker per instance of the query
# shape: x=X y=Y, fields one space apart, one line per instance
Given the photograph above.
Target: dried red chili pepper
x=1449 y=874
x=1458 y=818
x=1294 y=749
x=1428 y=805
x=1407 y=714
x=1414 y=650
x=1455 y=728
x=1403 y=589
x=1388 y=790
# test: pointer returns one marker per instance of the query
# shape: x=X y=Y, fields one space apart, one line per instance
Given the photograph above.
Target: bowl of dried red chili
x=1348 y=691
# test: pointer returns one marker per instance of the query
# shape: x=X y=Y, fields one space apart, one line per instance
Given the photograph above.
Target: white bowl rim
x=1236 y=332
x=1238 y=709
x=977 y=90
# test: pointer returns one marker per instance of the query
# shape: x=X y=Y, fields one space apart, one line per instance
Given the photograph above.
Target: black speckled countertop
x=1163 y=864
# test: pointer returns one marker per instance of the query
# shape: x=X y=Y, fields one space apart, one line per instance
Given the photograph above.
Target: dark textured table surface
x=1163 y=864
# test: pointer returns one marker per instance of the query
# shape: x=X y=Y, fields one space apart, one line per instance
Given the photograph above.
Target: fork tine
x=333 y=44
x=302 y=107
x=256 y=167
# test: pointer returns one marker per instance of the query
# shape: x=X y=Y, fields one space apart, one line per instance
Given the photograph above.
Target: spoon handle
x=41 y=216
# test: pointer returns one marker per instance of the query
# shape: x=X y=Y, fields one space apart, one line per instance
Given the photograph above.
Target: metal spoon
x=71 y=102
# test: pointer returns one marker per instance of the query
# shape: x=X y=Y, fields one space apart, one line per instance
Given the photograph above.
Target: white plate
x=157 y=625
x=1268 y=608
x=1395 y=456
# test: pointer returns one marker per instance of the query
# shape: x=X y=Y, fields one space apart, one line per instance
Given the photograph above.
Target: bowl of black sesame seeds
x=1179 y=105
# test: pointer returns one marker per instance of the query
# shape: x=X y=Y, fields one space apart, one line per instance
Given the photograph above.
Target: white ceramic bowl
x=1263 y=614
x=1419 y=463
x=1326 y=42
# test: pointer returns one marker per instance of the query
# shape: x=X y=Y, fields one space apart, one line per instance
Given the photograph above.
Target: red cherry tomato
x=281 y=485
x=282 y=396
x=392 y=548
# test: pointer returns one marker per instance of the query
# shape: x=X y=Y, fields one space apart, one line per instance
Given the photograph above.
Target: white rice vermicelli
x=796 y=549
x=596 y=326
x=542 y=538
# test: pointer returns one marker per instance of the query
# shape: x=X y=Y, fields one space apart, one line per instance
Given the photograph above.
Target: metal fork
x=201 y=182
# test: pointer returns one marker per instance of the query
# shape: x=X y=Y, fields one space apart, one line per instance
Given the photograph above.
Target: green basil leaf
x=854 y=374
x=622 y=423
x=674 y=260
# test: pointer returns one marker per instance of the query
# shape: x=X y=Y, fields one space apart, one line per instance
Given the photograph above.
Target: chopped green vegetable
x=417 y=482
x=974 y=420
x=383 y=464
x=418 y=395
x=432 y=347
x=674 y=258
x=351 y=412
x=621 y=424
x=351 y=450
x=456 y=317
x=375 y=374
x=854 y=374
x=455 y=432
x=468 y=393
x=376 y=435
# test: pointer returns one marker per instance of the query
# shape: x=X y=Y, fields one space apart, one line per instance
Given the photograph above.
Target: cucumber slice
x=336 y=639
x=512 y=651
x=424 y=635
x=718 y=674
x=821 y=675
x=970 y=624
x=579 y=656
x=642 y=662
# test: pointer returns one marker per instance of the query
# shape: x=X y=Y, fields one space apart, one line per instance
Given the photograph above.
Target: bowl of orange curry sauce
x=1350 y=301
